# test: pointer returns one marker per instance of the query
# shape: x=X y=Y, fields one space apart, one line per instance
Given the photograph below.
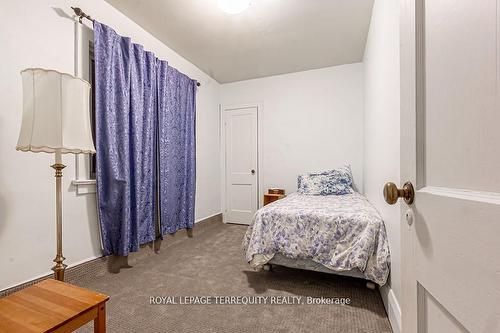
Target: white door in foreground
x=450 y=151
x=241 y=164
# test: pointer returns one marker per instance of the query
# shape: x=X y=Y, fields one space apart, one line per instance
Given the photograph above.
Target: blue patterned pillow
x=336 y=181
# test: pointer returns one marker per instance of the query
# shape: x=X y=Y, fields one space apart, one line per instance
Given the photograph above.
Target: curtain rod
x=81 y=15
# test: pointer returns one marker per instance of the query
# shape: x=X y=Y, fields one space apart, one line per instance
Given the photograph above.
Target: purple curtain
x=176 y=142
x=130 y=101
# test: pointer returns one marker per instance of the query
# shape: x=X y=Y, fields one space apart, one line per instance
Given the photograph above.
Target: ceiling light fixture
x=233 y=6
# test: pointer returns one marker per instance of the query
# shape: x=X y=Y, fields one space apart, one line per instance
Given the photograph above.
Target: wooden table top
x=45 y=305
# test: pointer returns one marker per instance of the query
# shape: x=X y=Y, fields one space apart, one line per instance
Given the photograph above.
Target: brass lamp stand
x=59 y=267
x=61 y=103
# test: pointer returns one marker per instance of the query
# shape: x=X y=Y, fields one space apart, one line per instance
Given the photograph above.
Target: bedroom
x=296 y=88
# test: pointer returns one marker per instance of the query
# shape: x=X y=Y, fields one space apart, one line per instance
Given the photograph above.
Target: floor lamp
x=56 y=119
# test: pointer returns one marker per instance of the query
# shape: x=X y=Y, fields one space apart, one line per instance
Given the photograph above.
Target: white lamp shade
x=56 y=113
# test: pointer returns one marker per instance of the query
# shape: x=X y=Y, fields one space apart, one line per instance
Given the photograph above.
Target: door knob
x=392 y=193
x=253 y=172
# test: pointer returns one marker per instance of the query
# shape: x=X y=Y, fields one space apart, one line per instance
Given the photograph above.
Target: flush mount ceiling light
x=233 y=6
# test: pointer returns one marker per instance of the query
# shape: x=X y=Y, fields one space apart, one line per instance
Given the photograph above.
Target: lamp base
x=59 y=268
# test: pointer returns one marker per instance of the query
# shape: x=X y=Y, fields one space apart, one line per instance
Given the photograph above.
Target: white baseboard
x=207 y=217
x=392 y=308
x=48 y=273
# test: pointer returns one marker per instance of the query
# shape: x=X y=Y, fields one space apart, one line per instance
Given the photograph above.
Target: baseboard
x=209 y=217
x=96 y=266
x=392 y=308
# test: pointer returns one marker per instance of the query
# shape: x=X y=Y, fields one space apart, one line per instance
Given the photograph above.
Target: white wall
x=36 y=33
x=381 y=144
x=311 y=120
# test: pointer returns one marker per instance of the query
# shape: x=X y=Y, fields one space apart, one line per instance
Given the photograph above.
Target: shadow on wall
x=3 y=212
x=3 y=187
x=62 y=13
x=423 y=234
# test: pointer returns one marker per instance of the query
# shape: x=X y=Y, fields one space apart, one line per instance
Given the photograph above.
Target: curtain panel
x=145 y=142
x=177 y=160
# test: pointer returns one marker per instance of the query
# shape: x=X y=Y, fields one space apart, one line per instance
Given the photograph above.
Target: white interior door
x=241 y=164
x=450 y=149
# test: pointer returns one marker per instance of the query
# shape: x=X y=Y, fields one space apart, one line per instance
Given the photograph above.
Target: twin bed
x=340 y=234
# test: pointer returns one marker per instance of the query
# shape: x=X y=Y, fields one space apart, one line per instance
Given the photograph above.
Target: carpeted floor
x=212 y=264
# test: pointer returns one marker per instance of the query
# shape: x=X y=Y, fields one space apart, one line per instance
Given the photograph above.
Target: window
x=85 y=180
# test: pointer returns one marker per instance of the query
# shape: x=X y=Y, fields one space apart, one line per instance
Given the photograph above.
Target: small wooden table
x=273 y=194
x=52 y=306
x=268 y=198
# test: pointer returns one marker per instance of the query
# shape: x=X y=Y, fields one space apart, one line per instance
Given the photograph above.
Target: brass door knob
x=392 y=193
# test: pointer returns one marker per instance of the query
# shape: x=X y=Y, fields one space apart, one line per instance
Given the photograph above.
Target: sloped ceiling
x=269 y=38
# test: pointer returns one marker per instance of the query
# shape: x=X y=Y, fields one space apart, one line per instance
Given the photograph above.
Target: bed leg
x=267 y=267
x=370 y=285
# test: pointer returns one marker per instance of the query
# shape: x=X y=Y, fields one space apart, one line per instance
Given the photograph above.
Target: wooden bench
x=52 y=306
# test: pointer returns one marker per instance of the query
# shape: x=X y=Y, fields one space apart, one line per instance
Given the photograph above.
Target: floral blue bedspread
x=341 y=232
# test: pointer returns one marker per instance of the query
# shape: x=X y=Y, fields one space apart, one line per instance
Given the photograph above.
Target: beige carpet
x=212 y=264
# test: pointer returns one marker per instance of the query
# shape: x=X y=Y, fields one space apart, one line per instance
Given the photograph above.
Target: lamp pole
x=59 y=267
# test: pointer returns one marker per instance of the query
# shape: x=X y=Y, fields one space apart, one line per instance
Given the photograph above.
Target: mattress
x=342 y=233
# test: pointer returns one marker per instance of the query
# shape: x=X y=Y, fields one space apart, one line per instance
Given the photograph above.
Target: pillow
x=336 y=182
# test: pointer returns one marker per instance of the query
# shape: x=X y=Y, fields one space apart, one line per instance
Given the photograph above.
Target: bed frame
x=310 y=265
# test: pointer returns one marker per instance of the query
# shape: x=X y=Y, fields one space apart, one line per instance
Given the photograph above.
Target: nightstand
x=273 y=194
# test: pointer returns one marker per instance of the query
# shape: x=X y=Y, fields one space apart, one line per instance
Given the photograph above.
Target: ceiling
x=269 y=38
